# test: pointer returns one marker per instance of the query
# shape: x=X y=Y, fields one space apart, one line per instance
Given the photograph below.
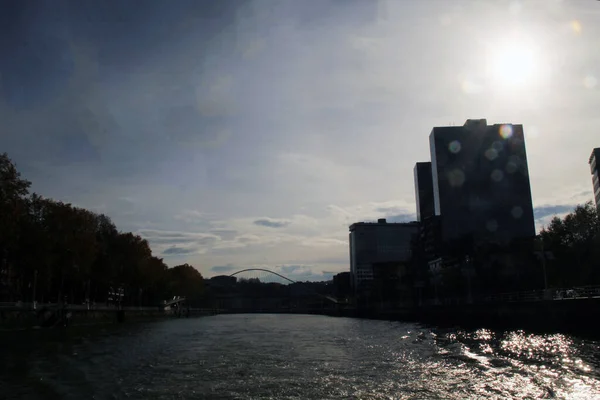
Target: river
x=293 y=357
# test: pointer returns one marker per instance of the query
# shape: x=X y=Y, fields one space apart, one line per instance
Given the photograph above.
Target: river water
x=293 y=357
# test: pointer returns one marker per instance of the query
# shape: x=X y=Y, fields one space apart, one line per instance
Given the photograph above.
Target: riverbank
x=575 y=316
x=49 y=317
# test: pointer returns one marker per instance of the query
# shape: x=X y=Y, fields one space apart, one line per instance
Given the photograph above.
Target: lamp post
x=35 y=273
x=544 y=256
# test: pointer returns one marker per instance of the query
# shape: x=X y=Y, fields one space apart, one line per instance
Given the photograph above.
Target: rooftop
x=383 y=222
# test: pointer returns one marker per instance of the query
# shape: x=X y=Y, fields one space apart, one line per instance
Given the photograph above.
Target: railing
x=19 y=305
x=92 y=307
x=583 y=292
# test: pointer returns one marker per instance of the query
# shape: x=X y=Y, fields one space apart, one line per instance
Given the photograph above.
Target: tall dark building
x=424 y=190
x=481 y=184
x=594 y=160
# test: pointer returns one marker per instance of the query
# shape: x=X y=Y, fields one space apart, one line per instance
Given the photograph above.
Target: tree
x=59 y=251
x=574 y=242
x=185 y=280
x=13 y=191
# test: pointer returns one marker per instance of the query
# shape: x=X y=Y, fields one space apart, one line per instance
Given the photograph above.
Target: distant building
x=376 y=243
x=424 y=190
x=342 y=285
x=429 y=234
x=594 y=160
x=481 y=184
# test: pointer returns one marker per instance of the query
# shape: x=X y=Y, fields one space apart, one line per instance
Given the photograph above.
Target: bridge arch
x=330 y=298
x=263 y=270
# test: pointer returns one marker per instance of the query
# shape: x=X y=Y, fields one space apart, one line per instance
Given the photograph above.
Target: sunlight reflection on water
x=295 y=356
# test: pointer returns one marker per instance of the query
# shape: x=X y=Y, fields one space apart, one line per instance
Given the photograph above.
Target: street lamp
x=544 y=256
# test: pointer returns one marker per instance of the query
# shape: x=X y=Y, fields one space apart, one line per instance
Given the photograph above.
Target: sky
x=235 y=134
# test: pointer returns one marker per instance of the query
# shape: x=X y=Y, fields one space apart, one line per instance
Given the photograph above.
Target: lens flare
x=492 y=225
x=517 y=212
x=491 y=154
x=454 y=146
x=456 y=178
x=497 y=175
x=506 y=131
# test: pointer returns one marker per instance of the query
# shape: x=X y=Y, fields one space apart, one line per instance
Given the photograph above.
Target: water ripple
x=295 y=357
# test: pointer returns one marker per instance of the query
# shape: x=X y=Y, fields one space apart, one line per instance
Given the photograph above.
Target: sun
x=512 y=63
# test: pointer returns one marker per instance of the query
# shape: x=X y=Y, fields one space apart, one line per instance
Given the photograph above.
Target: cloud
x=162 y=237
x=271 y=222
x=401 y=218
x=178 y=251
x=394 y=211
x=584 y=195
x=390 y=210
x=173 y=243
x=248 y=238
x=191 y=216
x=225 y=234
x=544 y=214
x=545 y=211
x=297 y=270
x=301 y=273
x=323 y=242
x=223 y=268
x=343 y=261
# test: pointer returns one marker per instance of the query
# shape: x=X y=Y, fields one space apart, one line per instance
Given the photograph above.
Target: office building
x=424 y=190
x=378 y=243
x=594 y=160
x=429 y=235
x=481 y=187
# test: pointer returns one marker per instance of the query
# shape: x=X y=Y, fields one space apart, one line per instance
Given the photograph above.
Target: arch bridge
x=264 y=275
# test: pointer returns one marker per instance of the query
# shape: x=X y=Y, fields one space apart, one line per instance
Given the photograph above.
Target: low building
x=341 y=284
x=375 y=243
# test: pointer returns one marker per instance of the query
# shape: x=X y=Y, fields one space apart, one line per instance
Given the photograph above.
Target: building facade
x=481 y=186
x=424 y=191
x=594 y=161
x=377 y=243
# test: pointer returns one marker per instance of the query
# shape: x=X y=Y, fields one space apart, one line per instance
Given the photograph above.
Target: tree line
x=51 y=251
x=572 y=247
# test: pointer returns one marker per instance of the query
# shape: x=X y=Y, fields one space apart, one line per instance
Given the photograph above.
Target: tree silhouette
x=574 y=242
x=51 y=251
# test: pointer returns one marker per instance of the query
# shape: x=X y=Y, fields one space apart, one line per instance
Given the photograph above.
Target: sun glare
x=512 y=63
